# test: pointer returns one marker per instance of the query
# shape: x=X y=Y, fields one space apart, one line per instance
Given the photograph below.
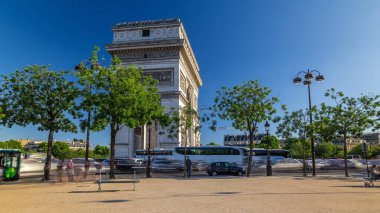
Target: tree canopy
x=246 y=106
x=41 y=97
x=350 y=116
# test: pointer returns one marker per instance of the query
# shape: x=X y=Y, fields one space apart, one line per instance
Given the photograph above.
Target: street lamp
x=307 y=82
x=269 y=163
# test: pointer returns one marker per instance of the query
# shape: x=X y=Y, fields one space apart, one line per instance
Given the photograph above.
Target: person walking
x=70 y=170
x=188 y=166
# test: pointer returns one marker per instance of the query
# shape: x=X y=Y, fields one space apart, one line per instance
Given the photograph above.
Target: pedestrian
x=60 y=170
x=188 y=166
x=70 y=170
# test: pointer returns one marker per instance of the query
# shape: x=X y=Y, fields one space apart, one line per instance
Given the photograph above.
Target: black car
x=128 y=164
x=218 y=168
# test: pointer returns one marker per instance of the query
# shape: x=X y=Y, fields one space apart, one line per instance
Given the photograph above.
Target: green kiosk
x=10 y=161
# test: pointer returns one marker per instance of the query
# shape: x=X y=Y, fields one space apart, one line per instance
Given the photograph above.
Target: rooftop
x=148 y=23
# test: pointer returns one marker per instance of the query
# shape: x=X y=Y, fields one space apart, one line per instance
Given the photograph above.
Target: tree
x=86 y=81
x=246 y=106
x=2 y=115
x=212 y=144
x=301 y=148
x=273 y=143
x=184 y=121
x=61 y=150
x=296 y=123
x=351 y=116
x=325 y=150
x=39 y=96
x=11 y=144
x=375 y=150
x=357 y=150
x=43 y=146
x=121 y=100
x=102 y=150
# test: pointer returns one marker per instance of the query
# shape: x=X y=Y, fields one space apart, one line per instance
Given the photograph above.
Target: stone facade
x=161 y=48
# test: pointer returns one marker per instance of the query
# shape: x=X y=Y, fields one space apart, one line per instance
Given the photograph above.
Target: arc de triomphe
x=161 y=48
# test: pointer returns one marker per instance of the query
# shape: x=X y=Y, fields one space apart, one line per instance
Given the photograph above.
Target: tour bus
x=209 y=154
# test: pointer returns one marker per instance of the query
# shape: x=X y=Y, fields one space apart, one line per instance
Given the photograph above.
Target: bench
x=133 y=181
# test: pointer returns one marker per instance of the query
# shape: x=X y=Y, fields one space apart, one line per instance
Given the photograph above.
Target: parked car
x=167 y=165
x=218 y=168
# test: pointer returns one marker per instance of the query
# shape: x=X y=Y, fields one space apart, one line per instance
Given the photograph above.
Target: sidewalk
x=221 y=194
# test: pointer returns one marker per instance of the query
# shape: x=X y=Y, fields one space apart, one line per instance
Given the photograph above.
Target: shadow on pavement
x=94 y=191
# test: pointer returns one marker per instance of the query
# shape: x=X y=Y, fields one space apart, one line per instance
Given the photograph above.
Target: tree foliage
x=350 y=116
x=246 y=106
x=102 y=150
x=11 y=144
x=325 y=150
x=296 y=124
x=61 y=150
x=274 y=143
x=183 y=121
x=212 y=144
x=42 y=97
x=125 y=97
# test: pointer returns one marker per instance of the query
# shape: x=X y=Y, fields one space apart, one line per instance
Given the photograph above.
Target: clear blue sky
x=232 y=40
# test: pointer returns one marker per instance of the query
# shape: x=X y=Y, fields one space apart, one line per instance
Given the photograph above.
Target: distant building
x=24 y=141
x=372 y=138
x=77 y=144
x=241 y=140
x=351 y=142
x=33 y=144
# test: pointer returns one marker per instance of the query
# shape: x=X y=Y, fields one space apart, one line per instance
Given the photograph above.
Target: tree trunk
x=149 y=164
x=249 y=166
x=112 y=157
x=345 y=153
x=304 y=157
x=48 y=156
x=87 y=164
x=184 y=159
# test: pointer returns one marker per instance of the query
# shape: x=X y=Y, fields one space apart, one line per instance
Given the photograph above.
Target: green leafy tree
x=273 y=142
x=86 y=81
x=39 y=96
x=350 y=116
x=301 y=148
x=246 y=106
x=12 y=144
x=296 y=123
x=61 y=150
x=43 y=146
x=357 y=150
x=212 y=144
x=2 y=115
x=121 y=100
x=102 y=150
x=325 y=150
x=375 y=150
x=184 y=121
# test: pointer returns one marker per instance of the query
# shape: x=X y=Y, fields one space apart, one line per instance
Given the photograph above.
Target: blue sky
x=233 y=41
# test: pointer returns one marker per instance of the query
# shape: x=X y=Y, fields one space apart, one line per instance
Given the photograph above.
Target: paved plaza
x=221 y=194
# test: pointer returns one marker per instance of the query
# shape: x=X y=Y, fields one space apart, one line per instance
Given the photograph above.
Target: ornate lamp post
x=307 y=82
x=269 y=163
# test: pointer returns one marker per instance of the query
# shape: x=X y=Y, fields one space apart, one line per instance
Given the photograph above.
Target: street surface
x=198 y=194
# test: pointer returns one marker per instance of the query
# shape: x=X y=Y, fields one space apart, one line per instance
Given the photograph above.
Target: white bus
x=207 y=154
